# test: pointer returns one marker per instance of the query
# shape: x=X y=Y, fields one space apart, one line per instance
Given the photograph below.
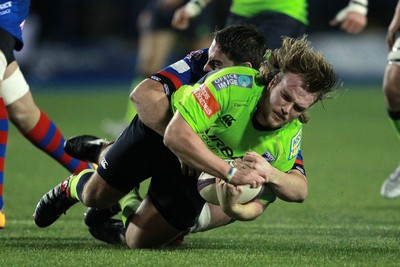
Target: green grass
x=349 y=149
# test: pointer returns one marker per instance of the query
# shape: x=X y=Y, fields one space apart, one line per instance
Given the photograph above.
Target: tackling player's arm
x=152 y=105
x=151 y=96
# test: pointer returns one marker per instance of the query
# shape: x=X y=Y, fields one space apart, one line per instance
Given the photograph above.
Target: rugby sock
x=77 y=183
x=395 y=119
x=129 y=205
x=3 y=146
x=47 y=137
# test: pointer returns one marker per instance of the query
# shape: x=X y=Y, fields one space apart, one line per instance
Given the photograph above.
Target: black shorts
x=139 y=153
x=272 y=26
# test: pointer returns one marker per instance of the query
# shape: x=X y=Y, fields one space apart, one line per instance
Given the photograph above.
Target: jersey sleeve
x=268 y=195
x=299 y=163
x=185 y=71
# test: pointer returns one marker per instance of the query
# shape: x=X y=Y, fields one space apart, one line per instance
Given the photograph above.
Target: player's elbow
x=137 y=94
x=170 y=138
x=146 y=91
x=296 y=196
x=301 y=196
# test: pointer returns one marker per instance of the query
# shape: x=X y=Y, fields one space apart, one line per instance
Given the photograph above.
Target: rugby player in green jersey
x=292 y=79
x=276 y=18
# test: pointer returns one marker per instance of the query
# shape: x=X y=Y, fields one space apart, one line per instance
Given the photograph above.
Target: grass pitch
x=349 y=148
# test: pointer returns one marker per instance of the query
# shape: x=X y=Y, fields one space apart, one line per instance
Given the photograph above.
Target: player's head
x=295 y=77
x=236 y=45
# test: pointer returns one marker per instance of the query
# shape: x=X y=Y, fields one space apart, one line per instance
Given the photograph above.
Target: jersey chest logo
x=227 y=80
x=227 y=120
x=295 y=145
x=206 y=100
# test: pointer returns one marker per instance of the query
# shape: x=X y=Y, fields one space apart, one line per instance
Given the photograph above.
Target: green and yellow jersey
x=221 y=112
x=296 y=9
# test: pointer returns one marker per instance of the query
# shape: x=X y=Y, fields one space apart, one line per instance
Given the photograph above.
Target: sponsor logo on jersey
x=225 y=81
x=216 y=145
x=195 y=54
x=268 y=157
x=295 y=145
x=153 y=77
x=104 y=163
x=227 y=120
x=206 y=100
x=181 y=66
x=7 y=6
x=166 y=89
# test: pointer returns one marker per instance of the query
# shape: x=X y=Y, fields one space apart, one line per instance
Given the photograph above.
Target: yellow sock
x=77 y=182
x=129 y=204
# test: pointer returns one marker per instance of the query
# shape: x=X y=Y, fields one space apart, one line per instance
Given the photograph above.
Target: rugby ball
x=206 y=188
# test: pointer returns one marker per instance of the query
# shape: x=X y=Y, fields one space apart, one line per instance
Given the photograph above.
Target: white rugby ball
x=206 y=188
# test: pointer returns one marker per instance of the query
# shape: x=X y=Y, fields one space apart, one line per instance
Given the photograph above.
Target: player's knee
x=96 y=193
x=391 y=86
x=133 y=240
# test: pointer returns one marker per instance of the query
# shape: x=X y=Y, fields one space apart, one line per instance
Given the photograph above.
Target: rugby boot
x=53 y=204
x=95 y=217
x=391 y=186
x=85 y=147
x=2 y=220
x=111 y=232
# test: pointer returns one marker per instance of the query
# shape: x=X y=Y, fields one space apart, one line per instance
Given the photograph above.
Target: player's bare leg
x=391 y=89
x=148 y=229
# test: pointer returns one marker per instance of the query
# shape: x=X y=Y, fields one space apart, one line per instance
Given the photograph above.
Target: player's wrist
x=231 y=173
x=195 y=7
x=359 y=6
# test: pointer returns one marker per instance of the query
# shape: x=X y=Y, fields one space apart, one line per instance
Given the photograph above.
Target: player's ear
x=274 y=81
x=247 y=64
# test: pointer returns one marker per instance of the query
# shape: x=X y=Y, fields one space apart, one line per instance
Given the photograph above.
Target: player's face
x=216 y=59
x=283 y=101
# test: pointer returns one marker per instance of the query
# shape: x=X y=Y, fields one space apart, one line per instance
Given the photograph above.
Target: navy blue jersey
x=12 y=18
x=185 y=71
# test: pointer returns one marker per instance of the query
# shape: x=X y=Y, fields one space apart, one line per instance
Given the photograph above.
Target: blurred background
x=97 y=40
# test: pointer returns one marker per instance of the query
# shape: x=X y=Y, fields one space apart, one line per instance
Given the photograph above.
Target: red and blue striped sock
x=47 y=137
x=3 y=145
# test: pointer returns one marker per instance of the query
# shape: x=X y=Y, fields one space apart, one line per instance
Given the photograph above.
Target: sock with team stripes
x=47 y=137
x=3 y=145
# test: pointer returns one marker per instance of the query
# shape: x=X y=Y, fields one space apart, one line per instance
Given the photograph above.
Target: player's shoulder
x=237 y=76
x=236 y=70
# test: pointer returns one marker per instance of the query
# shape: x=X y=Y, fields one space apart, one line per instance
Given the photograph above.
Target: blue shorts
x=12 y=18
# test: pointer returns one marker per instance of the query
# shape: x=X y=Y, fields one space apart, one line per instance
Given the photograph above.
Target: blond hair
x=296 y=56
